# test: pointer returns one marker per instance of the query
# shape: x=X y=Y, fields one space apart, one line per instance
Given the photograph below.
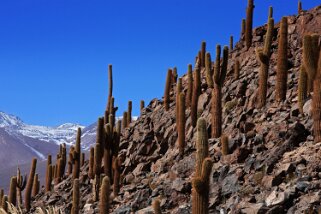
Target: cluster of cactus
x=312 y=65
x=200 y=182
x=219 y=77
x=61 y=162
x=249 y=23
x=263 y=56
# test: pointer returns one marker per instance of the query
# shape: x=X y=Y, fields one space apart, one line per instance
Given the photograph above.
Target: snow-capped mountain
x=58 y=135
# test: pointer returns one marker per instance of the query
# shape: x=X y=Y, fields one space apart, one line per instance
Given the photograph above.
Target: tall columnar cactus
x=243 y=26
x=312 y=65
x=97 y=172
x=219 y=78
x=175 y=75
x=203 y=51
x=129 y=112
x=142 y=106
x=156 y=207
x=299 y=7
x=36 y=186
x=224 y=145
x=249 y=23
x=181 y=121
x=91 y=163
x=302 y=88
x=60 y=171
x=100 y=134
x=263 y=56
x=75 y=197
x=231 y=43
x=107 y=151
x=124 y=120
x=104 y=196
x=200 y=182
x=30 y=184
x=5 y=203
x=21 y=184
x=189 y=86
x=70 y=161
x=209 y=70
x=116 y=170
x=282 y=62
x=48 y=178
x=178 y=91
x=110 y=89
x=168 y=89
x=196 y=94
x=310 y=56
x=1 y=197
x=76 y=156
x=13 y=191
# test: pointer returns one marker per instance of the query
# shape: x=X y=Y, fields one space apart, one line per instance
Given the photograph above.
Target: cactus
x=21 y=184
x=302 y=88
x=1 y=196
x=209 y=70
x=36 y=186
x=178 y=91
x=76 y=156
x=231 y=43
x=107 y=150
x=75 y=197
x=91 y=163
x=263 y=56
x=110 y=89
x=142 y=106
x=249 y=23
x=190 y=86
x=30 y=184
x=104 y=196
x=13 y=191
x=196 y=94
x=311 y=49
x=202 y=56
x=129 y=112
x=175 y=75
x=48 y=178
x=282 y=63
x=299 y=7
x=316 y=103
x=270 y=12
x=100 y=134
x=167 y=89
x=70 y=161
x=5 y=203
x=181 y=121
x=116 y=170
x=200 y=182
x=224 y=144
x=236 y=69
x=219 y=78
x=156 y=207
x=124 y=121
x=97 y=163
x=60 y=171
x=243 y=27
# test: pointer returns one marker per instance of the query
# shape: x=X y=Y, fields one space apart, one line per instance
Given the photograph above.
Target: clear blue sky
x=54 y=54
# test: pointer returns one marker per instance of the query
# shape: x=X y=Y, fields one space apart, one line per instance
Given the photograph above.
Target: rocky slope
x=274 y=166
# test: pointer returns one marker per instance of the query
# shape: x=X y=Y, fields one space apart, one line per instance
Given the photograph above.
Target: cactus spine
x=209 y=70
x=75 y=197
x=282 y=63
x=21 y=184
x=30 y=184
x=129 y=112
x=178 y=91
x=200 y=182
x=181 y=121
x=104 y=196
x=302 y=88
x=142 y=106
x=263 y=55
x=219 y=77
x=13 y=191
x=156 y=207
x=167 y=89
x=36 y=186
x=196 y=94
x=76 y=156
x=190 y=86
x=249 y=23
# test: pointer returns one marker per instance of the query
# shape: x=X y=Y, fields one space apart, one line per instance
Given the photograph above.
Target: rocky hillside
x=274 y=166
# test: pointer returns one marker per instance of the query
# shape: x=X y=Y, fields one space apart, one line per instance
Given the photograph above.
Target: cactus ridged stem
x=104 y=196
x=209 y=70
x=196 y=94
x=189 y=86
x=316 y=103
x=30 y=184
x=168 y=89
x=156 y=207
x=13 y=191
x=116 y=167
x=178 y=91
x=129 y=112
x=142 y=106
x=76 y=156
x=203 y=51
x=249 y=23
x=181 y=121
x=302 y=88
x=91 y=163
x=75 y=197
